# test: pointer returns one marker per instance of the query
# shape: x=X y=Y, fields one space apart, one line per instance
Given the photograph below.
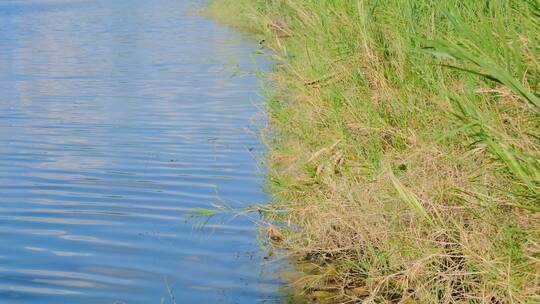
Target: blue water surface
x=117 y=119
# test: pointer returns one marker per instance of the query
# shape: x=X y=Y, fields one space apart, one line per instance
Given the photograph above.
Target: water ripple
x=117 y=119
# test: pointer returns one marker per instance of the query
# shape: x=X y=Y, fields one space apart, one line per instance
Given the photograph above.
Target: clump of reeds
x=406 y=146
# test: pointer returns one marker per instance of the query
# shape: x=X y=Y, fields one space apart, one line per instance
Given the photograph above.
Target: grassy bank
x=405 y=147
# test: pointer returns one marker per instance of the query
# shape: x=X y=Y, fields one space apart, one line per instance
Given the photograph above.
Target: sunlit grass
x=405 y=144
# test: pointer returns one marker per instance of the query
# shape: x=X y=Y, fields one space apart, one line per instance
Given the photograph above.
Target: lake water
x=117 y=118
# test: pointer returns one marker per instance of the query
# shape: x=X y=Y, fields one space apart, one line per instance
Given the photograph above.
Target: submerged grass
x=405 y=147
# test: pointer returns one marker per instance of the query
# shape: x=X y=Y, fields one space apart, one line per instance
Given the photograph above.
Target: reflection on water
x=117 y=118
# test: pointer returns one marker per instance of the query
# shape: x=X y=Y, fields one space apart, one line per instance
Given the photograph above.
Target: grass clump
x=406 y=146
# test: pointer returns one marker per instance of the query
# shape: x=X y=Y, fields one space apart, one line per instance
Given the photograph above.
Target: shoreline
x=405 y=146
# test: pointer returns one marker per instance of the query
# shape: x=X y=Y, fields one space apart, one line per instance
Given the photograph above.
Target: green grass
x=405 y=145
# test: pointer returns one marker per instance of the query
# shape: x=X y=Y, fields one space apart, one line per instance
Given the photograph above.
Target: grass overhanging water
x=406 y=146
